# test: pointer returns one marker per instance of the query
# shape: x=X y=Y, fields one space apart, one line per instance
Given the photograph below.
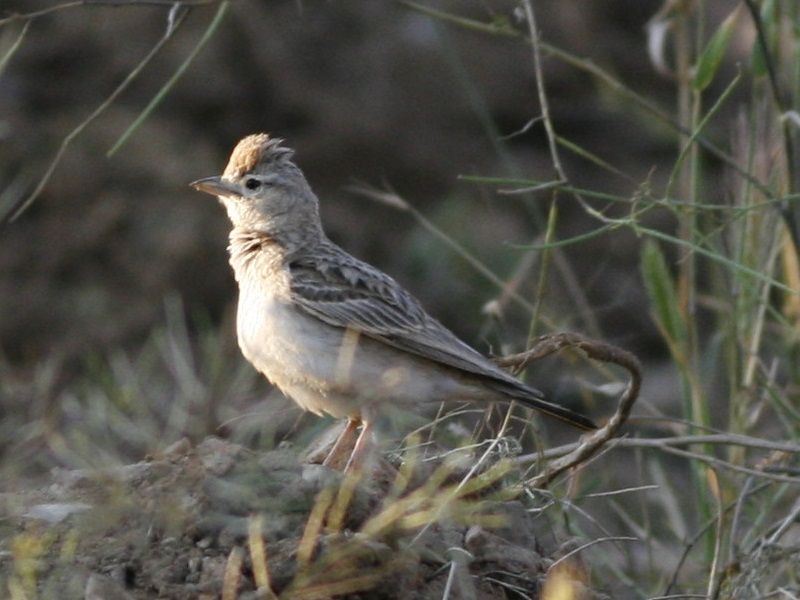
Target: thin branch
x=724 y=439
x=539 y=187
x=14 y=47
x=524 y=129
x=669 y=449
x=212 y=27
x=530 y=17
x=593 y=543
x=590 y=444
x=40 y=13
x=596 y=71
x=733 y=544
x=73 y=3
x=638 y=488
x=699 y=534
x=790 y=520
x=677 y=596
x=70 y=137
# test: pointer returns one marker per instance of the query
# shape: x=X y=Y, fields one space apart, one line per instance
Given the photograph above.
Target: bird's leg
x=361 y=450
x=343 y=444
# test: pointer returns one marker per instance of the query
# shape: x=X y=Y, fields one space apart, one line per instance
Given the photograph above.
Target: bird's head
x=263 y=190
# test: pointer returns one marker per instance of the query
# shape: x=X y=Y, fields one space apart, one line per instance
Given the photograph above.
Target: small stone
x=178 y=449
x=194 y=564
x=213 y=573
x=204 y=543
x=518 y=528
x=318 y=477
x=218 y=456
x=57 y=512
x=493 y=551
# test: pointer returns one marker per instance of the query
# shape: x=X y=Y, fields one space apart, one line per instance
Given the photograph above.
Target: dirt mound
x=218 y=520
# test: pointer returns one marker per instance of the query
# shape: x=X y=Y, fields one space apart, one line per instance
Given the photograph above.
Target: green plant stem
x=541 y=284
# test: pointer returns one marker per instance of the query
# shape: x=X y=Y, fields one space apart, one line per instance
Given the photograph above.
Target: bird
x=333 y=333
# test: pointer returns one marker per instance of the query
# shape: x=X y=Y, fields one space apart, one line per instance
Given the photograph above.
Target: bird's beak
x=216 y=186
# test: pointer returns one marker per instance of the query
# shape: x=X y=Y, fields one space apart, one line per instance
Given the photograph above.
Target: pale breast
x=294 y=351
x=327 y=369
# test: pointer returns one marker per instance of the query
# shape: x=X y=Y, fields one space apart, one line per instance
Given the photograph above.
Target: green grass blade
x=714 y=52
x=661 y=291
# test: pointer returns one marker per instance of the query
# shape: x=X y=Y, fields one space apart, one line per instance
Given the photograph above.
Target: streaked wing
x=345 y=292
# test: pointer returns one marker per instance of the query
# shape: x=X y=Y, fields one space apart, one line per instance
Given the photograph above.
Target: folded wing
x=345 y=292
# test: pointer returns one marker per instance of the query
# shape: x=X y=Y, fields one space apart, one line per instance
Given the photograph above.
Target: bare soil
x=181 y=525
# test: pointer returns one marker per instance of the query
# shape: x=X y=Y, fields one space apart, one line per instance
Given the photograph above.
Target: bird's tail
x=533 y=398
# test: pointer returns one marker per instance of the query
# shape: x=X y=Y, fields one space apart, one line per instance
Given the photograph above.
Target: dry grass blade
x=258 y=556
x=338 y=510
x=233 y=574
x=329 y=589
x=466 y=483
x=313 y=527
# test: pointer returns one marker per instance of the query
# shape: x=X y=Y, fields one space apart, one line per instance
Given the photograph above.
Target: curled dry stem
x=590 y=444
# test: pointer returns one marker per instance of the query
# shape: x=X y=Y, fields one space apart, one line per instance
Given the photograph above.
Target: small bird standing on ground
x=333 y=333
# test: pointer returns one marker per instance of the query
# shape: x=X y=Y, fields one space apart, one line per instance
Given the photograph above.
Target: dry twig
x=590 y=444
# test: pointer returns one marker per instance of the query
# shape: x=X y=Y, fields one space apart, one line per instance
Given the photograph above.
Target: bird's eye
x=252 y=184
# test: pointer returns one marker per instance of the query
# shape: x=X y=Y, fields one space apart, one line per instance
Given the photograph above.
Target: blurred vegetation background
x=661 y=222
x=373 y=93
x=365 y=92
